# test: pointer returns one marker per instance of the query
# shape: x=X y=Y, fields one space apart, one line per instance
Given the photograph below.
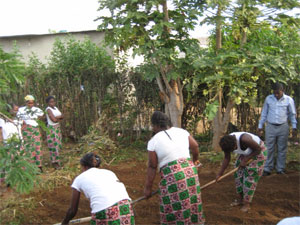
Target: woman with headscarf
x=108 y=197
x=179 y=187
x=30 y=129
x=54 y=137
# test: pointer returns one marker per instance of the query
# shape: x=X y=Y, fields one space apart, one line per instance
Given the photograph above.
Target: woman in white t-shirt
x=54 y=136
x=179 y=188
x=247 y=146
x=30 y=129
x=11 y=128
x=109 y=200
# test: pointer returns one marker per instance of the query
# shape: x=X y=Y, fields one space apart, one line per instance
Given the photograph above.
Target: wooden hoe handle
x=224 y=176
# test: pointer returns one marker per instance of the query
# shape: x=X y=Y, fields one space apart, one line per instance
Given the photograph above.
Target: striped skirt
x=119 y=213
x=180 y=193
x=246 y=179
x=54 y=141
x=32 y=143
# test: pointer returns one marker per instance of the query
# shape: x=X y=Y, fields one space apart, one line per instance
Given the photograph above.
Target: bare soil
x=276 y=197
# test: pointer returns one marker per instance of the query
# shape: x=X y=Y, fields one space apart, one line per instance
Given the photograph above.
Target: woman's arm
x=225 y=164
x=194 y=147
x=151 y=172
x=51 y=116
x=248 y=142
x=73 y=206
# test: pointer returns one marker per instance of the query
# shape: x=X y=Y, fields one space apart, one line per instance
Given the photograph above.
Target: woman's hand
x=218 y=177
x=147 y=192
x=244 y=161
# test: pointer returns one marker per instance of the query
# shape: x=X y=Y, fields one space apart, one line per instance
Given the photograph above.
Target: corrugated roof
x=50 y=34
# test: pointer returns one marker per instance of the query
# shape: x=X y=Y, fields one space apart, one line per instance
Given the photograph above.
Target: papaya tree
x=241 y=54
x=158 y=30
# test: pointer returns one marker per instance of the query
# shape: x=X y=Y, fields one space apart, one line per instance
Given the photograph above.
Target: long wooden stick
x=87 y=219
x=221 y=178
x=143 y=197
x=224 y=176
x=80 y=220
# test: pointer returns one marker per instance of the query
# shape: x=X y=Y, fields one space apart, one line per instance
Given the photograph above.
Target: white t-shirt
x=10 y=129
x=167 y=149
x=30 y=115
x=248 y=150
x=102 y=187
x=290 y=221
x=55 y=112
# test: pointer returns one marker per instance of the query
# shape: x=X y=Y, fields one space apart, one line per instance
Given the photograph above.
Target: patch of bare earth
x=276 y=197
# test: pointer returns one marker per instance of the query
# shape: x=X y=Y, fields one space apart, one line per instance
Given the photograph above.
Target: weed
x=13 y=208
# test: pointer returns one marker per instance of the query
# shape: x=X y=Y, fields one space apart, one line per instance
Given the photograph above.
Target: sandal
x=236 y=203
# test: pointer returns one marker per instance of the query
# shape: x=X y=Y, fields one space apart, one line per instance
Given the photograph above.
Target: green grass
x=293 y=157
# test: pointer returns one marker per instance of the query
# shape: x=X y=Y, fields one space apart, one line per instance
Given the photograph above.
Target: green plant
x=15 y=162
x=293 y=158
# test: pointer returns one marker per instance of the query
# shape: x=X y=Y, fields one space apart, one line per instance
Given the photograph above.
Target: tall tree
x=232 y=67
x=157 y=30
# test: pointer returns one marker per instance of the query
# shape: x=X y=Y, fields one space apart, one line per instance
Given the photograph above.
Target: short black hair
x=277 y=87
x=49 y=98
x=90 y=160
x=161 y=120
x=227 y=143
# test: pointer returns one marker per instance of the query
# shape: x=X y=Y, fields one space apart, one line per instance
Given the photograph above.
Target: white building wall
x=41 y=45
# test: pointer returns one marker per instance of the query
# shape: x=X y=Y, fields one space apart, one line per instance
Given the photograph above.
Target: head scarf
x=29 y=98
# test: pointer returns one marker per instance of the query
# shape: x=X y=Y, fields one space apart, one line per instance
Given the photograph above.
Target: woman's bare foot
x=56 y=165
x=246 y=207
x=236 y=203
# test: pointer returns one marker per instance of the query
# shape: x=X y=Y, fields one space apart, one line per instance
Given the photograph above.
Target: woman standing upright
x=30 y=129
x=179 y=188
x=54 y=137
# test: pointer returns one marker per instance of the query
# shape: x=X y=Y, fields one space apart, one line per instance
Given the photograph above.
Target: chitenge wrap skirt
x=54 y=140
x=180 y=193
x=119 y=213
x=246 y=178
x=33 y=143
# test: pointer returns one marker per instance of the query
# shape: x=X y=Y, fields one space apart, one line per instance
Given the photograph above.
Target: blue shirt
x=278 y=111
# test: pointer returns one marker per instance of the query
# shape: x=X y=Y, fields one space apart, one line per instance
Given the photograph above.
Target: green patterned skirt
x=32 y=143
x=54 y=141
x=246 y=179
x=119 y=213
x=180 y=194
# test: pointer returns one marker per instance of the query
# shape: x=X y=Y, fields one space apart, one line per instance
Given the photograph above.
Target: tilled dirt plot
x=276 y=197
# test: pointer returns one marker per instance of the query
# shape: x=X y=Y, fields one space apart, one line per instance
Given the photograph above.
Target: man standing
x=277 y=109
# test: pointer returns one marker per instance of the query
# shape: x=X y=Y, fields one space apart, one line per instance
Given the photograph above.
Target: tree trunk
x=171 y=94
x=171 y=91
x=175 y=108
x=220 y=124
x=218 y=29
